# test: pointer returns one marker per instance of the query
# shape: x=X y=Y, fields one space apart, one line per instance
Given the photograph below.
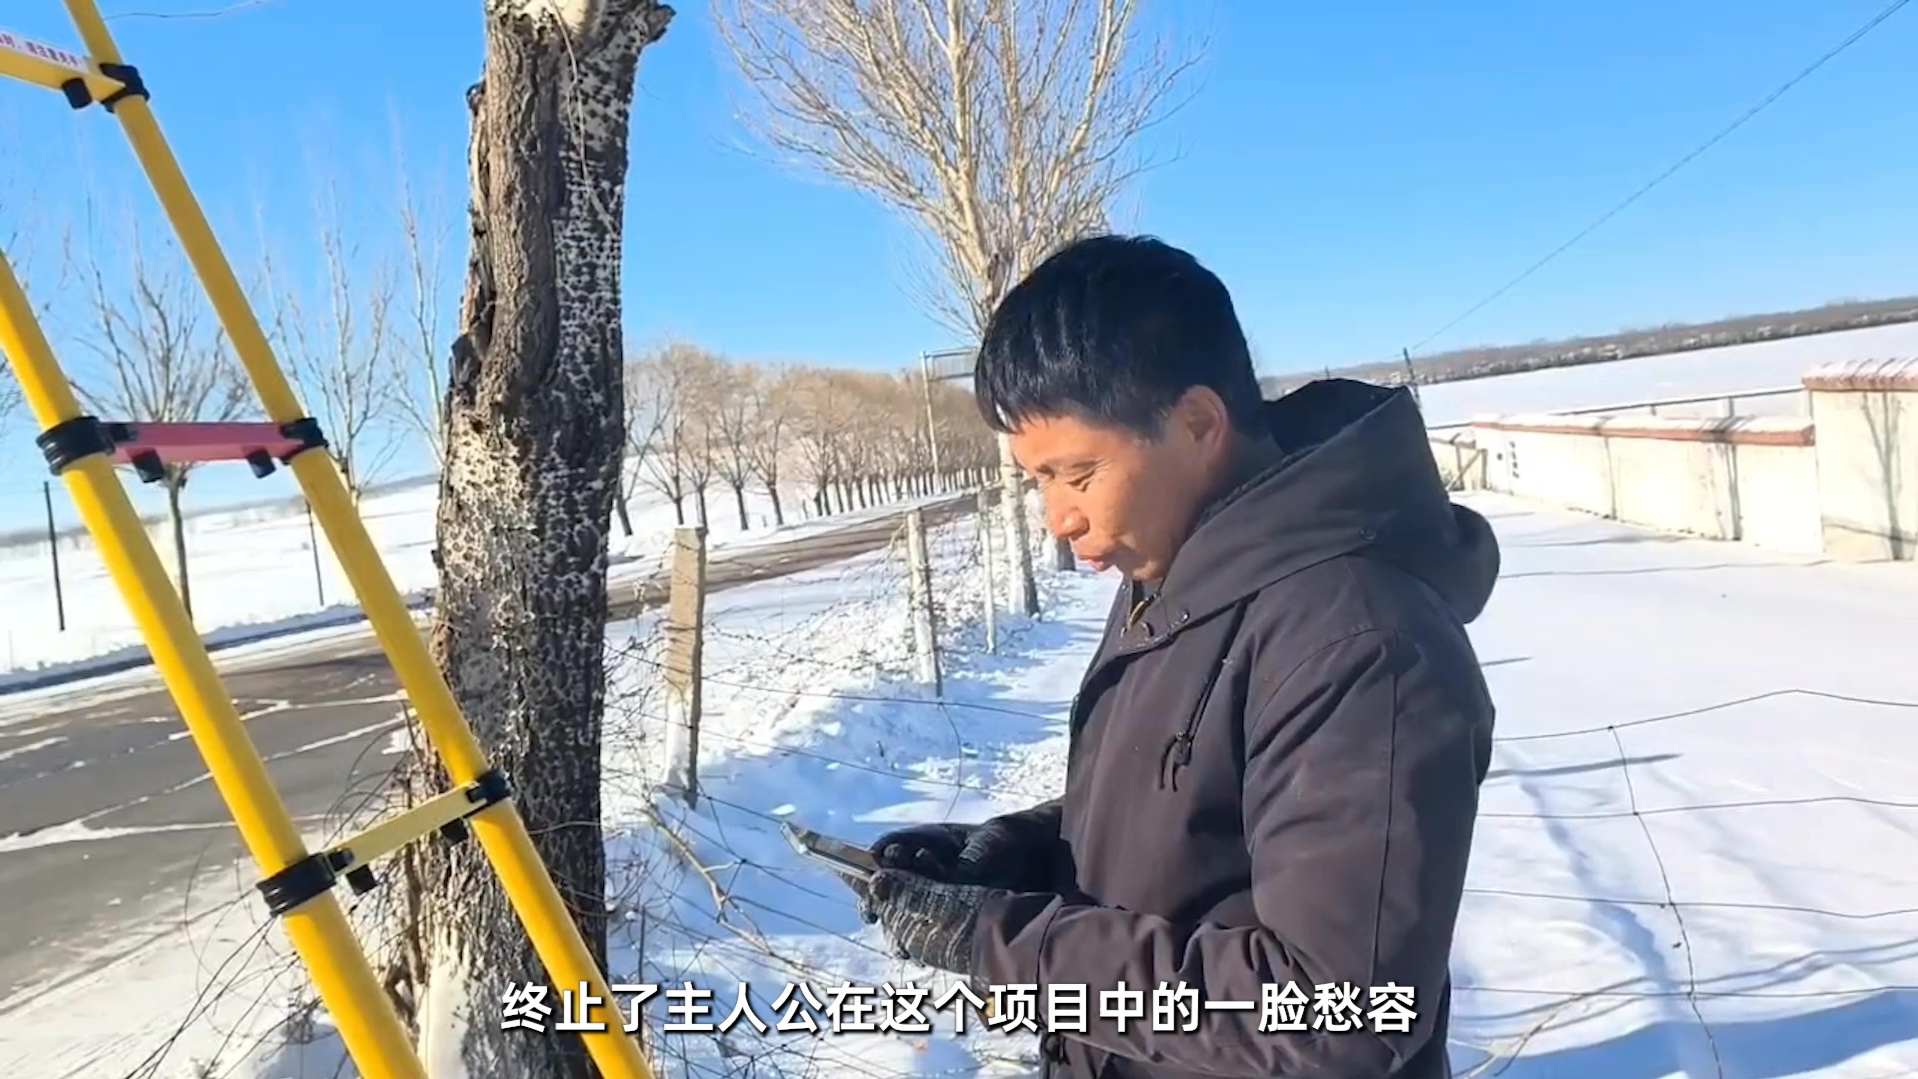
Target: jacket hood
x=1355 y=476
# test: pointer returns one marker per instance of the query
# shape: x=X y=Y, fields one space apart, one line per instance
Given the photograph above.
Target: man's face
x=1121 y=500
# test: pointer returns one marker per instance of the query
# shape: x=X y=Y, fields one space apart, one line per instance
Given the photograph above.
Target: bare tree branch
x=343 y=352
x=214 y=13
x=419 y=382
x=732 y=426
x=17 y=203
x=1000 y=129
x=161 y=361
x=774 y=405
x=678 y=385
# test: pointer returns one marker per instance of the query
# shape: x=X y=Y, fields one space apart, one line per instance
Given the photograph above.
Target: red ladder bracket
x=150 y=447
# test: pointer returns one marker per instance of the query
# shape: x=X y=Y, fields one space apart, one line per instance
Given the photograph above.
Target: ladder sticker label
x=41 y=51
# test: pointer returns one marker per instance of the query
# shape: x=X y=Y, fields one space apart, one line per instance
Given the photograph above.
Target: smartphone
x=842 y=857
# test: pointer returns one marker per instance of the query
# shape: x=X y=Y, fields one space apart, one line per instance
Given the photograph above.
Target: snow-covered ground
x=217 y=982
x=255 y=573
x=1696 y=854
x=1711 y=371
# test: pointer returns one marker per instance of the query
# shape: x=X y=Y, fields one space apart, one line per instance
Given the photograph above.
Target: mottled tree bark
x=534 y=430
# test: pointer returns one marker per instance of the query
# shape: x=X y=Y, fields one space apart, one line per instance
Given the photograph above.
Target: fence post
x=53 y=549
x=989 y=596
x=685 y=621
x=925 y=634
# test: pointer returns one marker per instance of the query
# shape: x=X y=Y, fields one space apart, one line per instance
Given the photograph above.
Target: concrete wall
x=1867 y=417
x=1777 y=401
x=1744 y=478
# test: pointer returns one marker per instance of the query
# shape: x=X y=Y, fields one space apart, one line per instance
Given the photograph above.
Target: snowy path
x=1678 y=718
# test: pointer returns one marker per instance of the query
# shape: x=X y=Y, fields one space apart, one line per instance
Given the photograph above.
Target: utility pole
x=1022 y=588
x=932 y=428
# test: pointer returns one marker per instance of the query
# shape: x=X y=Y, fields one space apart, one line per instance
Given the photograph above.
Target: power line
x=1856 y=35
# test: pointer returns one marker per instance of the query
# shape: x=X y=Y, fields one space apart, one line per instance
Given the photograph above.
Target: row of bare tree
x=851 y=438
x=138 y=339
x=357 y=324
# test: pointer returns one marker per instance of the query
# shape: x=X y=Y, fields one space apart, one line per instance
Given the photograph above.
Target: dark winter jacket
x=1274 y=768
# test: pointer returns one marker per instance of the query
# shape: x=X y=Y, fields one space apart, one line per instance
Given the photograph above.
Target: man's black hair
x=1114 y=330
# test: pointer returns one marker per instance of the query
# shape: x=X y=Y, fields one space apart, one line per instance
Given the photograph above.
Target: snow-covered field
x=254 y=573
x=1764 y=365
x=1696 y=856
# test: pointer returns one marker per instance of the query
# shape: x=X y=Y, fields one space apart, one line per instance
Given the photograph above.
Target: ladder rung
x=202 y=441
x=316 y=874
x=150 y=446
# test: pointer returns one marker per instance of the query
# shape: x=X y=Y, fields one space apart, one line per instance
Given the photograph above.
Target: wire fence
x=696 y=894
x=257 y=969
x=266 y=569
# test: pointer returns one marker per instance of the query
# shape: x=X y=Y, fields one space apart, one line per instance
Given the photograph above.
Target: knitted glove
x=931 y=849
x=1020 y=851
x=1017 y=851
x=926 y=921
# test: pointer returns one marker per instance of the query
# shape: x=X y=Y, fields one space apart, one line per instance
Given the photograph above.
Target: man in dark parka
x=1276 y=753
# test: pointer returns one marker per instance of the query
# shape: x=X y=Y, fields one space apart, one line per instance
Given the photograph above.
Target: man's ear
x=1202 y=417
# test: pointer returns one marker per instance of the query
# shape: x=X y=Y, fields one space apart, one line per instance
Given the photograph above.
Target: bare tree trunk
x=177 y=522
x=1024 y=596
x=535 y=424
x=620 y=511
x=779 y=511
x=739 y=500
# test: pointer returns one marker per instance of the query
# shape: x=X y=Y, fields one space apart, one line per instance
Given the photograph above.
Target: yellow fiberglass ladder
x=297 y=884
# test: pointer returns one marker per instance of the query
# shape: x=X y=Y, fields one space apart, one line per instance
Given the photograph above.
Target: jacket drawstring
x=1178 y=751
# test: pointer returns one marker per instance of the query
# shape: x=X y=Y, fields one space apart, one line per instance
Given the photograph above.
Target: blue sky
x=1358 y=172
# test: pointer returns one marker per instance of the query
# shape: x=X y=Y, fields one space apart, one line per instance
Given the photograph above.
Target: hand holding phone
x=846 y=859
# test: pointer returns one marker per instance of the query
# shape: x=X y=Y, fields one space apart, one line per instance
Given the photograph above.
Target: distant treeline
x=1490 y=360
